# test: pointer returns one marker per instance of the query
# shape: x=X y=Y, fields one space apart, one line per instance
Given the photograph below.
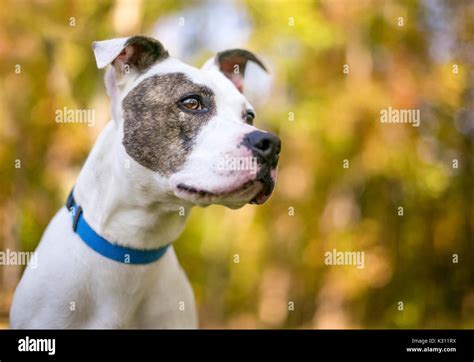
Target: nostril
x=264 y=145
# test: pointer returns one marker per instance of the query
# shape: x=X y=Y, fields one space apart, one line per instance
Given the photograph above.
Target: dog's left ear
x=128 y=56
x=232 y=64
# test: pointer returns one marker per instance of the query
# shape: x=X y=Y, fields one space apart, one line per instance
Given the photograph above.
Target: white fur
x=104 y=293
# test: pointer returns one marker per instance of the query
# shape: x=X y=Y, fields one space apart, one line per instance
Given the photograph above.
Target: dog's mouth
x=256 y=191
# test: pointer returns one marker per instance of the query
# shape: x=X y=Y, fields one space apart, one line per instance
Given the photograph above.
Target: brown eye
x=192 y=103
x=249 y=117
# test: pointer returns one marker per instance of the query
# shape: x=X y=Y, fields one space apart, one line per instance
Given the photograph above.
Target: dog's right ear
x=129 y=57
x=232 y=63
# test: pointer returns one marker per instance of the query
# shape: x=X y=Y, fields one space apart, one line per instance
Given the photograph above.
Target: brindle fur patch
x=157 y=133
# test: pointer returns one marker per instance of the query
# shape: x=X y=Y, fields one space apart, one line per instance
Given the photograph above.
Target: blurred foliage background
x=403 y=54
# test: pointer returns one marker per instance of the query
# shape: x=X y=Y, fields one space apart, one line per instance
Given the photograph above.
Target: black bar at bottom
x=137 y=345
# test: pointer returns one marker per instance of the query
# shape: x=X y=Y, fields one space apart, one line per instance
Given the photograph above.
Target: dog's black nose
x=263 y=145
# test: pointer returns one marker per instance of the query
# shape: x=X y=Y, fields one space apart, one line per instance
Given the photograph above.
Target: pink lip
x=264 y=192
x=203 y=193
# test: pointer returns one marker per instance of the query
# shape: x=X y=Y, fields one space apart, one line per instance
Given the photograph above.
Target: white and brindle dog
x=104 y=260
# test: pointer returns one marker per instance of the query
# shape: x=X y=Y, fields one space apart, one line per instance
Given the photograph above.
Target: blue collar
x=105 y=247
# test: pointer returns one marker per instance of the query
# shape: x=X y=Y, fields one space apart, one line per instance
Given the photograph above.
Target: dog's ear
x=128 y=55
x=232 y=64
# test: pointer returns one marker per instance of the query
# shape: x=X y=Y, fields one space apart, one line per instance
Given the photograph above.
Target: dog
x=106 y=260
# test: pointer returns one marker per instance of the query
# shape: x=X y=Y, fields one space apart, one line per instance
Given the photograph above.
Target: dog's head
x=190 y=130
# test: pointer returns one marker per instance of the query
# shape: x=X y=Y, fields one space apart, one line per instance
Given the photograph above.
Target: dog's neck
x=120 y=206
